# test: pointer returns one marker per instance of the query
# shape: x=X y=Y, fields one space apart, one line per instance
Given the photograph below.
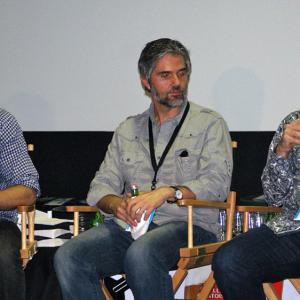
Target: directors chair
x=194 y=256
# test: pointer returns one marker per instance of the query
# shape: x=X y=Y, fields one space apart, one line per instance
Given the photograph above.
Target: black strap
x=156 y=166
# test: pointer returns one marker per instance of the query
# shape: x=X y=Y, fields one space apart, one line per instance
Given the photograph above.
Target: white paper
x=51 y=242
x=50 y=233
x=43 y=218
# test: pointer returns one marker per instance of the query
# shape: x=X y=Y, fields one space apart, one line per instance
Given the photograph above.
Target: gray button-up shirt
x=206 y=169
x=281 y=182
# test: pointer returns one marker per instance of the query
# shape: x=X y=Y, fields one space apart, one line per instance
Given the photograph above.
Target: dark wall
x=249 y=160
x=67 y=161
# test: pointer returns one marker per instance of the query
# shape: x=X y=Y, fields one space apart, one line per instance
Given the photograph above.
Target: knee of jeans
x=62 y=258
x=136 y=258
x=225 y=259
x=8 y=258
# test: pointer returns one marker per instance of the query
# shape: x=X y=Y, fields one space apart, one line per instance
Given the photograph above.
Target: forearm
x=16 y=195
x=109 y=203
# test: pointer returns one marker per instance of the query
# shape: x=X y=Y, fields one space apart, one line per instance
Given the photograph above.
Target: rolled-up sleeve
x=16 y=167
x=108 y=178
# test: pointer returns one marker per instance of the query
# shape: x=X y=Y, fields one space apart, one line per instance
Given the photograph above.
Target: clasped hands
x=131 y=210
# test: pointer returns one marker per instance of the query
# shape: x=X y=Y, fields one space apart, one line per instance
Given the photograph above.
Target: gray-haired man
x=175 y=149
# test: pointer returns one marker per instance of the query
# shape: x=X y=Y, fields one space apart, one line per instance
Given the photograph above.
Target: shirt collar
x=175 y=120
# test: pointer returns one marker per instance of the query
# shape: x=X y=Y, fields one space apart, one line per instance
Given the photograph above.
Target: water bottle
x=238 y=224
x=134 y=190
x=222 y=223
x=82 y=224
x=98 y=219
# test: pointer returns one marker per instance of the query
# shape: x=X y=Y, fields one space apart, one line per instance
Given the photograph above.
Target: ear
x=145 y=84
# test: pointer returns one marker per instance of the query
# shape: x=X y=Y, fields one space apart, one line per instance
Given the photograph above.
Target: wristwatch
x=177 y=196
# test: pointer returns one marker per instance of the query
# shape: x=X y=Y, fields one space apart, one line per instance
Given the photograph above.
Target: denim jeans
x=108 y=250
x=12 y=277
x=243 y=264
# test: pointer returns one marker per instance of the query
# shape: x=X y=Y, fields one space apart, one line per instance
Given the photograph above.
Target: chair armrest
x=246 y=209
x=229 y=206
x=266 y=209
x=25 y=208
x=203 y=203
x=81 y=208
x=76 y=209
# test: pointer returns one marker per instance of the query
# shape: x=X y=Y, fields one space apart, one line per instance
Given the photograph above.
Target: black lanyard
x=156 y=166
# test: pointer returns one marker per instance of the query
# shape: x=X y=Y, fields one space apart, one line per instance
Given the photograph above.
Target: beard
x=168 y=101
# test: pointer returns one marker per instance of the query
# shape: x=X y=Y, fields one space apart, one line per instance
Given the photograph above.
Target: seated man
x=175 y=149
x=18 y=186
x=272 y=252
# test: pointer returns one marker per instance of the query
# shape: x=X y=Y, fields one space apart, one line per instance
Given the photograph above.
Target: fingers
x=141 y=214
x=137 y=207
x=121 y=213
x=290 y=138
x=292 y=131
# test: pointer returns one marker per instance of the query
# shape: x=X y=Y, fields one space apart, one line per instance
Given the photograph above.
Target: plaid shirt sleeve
x=16 y=167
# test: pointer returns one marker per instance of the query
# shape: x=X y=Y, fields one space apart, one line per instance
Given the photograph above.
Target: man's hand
x=120 y=211
x=147 y=202
x=116 y=205
x=290 y=138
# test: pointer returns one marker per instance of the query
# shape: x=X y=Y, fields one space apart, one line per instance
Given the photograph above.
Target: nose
x=175 y=80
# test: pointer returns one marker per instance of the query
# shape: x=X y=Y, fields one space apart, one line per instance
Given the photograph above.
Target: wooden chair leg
x=270 y=292
x=178 y=278
x=207 y=287
x=181 y=272
x=105 y=291
x=296 y=283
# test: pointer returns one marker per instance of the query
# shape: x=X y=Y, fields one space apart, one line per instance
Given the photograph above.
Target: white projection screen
x=71 y=65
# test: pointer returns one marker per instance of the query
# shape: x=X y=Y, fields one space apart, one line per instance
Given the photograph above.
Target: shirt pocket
x=132 y=165
x=189 y=164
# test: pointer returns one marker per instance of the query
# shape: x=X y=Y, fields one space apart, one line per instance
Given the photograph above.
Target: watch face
x=178 y=194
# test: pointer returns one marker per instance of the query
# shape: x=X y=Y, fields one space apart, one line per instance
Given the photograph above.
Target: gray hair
x=156 y=49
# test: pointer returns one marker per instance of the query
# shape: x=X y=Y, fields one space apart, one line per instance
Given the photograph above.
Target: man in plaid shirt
x=18 y=186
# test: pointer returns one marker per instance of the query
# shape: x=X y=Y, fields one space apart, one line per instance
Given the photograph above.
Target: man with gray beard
x=176 y=149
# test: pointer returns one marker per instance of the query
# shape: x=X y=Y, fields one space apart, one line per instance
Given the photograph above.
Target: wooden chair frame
x=28 y=244
x=197 y=256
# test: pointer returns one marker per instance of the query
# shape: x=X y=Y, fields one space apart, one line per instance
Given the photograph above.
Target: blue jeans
x=243 y=264
x=108 y=250
x=12 y=277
